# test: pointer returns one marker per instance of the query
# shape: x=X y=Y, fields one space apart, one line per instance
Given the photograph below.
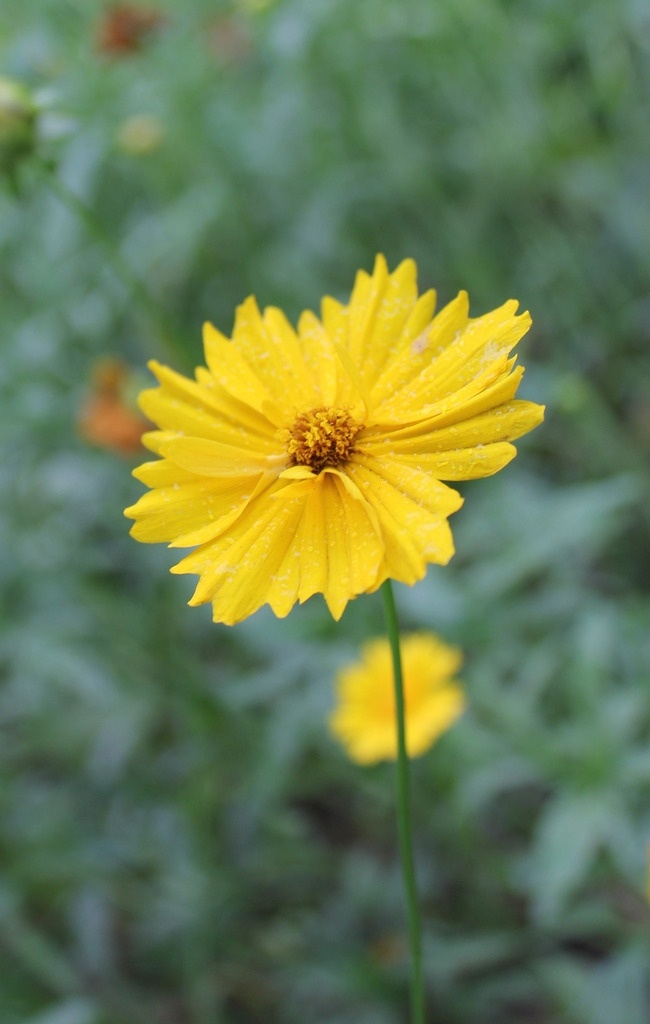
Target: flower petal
x=263 y=363
x=462 y=354
x=462 y=463
x=504 y=423
x=320 y=356
x=485 y=342
x=435 y=716
x=236 y=569
x=413 y=360
x=412 y=510
x=213 y=459
x=173 y=414
x=208 y=394
x=161 y=474
x=185 y=514
x=290 y=543
x=339 y=543
x=383 y=317
x=230 y=369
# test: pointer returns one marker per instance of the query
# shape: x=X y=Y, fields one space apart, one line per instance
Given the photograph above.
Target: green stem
x=133 y=284
x=404 y=812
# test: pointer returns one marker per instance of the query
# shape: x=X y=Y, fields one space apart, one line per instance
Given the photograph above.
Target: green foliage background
x=180 y=840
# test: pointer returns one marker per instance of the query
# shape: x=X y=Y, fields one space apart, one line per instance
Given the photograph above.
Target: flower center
x=322 y=437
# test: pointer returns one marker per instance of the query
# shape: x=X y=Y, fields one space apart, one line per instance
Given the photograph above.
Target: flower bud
x=18 y=116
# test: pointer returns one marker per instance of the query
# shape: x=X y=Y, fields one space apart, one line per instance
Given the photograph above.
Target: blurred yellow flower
x=310 y=461
x=364 y=717
x=140 y=134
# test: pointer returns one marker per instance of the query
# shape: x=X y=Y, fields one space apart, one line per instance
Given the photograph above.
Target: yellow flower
x=310 y=461
x=140 y=134
x=364 y=718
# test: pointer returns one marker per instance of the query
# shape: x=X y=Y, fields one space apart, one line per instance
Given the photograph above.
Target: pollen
x=323 y=437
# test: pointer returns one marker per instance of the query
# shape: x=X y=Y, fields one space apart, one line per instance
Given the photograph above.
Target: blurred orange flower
x=106 y=418
x=230 y=39
x=124 y=29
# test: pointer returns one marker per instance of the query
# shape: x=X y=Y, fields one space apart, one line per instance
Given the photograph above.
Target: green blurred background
x=181 y=842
